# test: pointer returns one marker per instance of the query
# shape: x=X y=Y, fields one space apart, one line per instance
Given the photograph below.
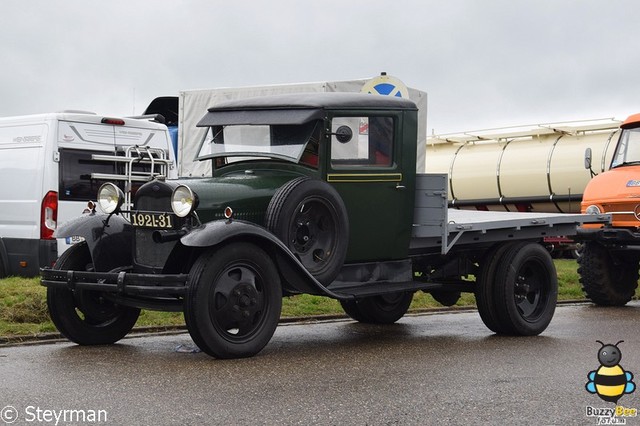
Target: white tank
x=535 y=168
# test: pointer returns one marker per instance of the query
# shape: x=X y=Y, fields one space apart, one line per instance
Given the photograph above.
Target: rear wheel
x=526 y=290
x=233 y=301
x=384 y=309
x=486 y=289
x=87 y=317
x=606 y=279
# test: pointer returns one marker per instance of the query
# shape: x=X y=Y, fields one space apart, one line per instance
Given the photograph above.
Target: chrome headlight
x=593 y=209
x=183 y=201
x=110 y=198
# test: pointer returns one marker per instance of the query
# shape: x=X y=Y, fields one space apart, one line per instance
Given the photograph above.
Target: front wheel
x=605 y=279
x=384 y=309
x=87 y=317
x=233 y=301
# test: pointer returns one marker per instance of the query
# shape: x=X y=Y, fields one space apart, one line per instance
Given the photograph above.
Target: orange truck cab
x=610 y=254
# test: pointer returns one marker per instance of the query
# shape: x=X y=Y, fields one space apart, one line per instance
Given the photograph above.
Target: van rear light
x=48 y=215
x=114 y=121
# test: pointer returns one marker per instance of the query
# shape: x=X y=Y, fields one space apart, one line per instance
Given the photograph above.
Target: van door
x=22 y=155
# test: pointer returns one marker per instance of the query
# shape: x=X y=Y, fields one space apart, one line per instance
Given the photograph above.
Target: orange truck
x=610 y=254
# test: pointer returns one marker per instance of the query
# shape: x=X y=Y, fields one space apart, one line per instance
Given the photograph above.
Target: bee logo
x=610 y=381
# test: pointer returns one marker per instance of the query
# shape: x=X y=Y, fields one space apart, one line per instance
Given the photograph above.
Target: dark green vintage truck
x=312 y=193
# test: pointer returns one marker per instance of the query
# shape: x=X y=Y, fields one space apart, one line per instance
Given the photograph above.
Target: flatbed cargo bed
x=436 y=225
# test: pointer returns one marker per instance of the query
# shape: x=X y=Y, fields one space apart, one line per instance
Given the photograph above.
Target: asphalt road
x=426 y=369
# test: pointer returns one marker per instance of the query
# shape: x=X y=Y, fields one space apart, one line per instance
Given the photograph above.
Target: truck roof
x=303 y=107
x=316 y=101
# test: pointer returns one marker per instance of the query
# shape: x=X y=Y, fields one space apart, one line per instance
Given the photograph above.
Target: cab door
x=365 y=165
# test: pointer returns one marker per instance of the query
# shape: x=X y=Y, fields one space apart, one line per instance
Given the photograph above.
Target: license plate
x=73 y=240
x=152 y=220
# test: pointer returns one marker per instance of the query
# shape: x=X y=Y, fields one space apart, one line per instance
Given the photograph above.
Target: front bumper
x=118 y=283
x=610 y=236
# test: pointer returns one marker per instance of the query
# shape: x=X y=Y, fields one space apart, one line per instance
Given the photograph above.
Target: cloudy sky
x=484 y=64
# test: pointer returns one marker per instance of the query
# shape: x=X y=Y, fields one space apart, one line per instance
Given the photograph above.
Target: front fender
x=296 y=277
x=108 y=238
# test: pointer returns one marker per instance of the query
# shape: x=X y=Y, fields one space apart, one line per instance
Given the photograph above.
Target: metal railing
x=155 y=158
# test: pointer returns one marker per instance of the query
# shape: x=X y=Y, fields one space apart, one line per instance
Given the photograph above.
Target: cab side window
x=362 y=141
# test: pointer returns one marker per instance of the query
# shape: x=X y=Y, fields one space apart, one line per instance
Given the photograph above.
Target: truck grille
x=152 y=197
x=149 y=253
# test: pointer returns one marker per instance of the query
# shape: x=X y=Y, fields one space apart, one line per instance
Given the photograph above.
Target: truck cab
x=610 y=254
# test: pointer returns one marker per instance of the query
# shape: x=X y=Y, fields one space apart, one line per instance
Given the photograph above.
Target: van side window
x=75 y=169
x=76 y=166
x=371 y=143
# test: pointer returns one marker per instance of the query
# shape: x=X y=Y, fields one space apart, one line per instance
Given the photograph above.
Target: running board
x=358 y=290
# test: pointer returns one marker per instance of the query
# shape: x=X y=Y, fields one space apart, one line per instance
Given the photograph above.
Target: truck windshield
x=286 y=142
x=628 y=149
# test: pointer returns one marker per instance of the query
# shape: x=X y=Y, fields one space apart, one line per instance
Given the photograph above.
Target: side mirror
x=587 y=162
x=587 y=159
x=343 y=134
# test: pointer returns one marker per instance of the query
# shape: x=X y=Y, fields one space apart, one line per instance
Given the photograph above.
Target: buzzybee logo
x=610 y=382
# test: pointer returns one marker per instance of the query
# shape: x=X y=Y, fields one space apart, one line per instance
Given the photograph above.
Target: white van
x=51 y=165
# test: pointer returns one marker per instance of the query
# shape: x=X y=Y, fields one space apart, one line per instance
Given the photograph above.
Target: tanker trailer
x=537 y=168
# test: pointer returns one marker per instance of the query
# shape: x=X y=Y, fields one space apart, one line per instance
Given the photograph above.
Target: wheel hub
x=304 y=236
x=312 y=234
x=522 y=289
x=245 y=302
x=527 y=294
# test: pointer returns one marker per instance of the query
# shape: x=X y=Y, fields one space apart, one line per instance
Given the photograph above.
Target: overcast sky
x=484 y=64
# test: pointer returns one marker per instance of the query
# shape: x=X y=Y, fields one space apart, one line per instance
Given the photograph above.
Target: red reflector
x=114 y=121
x=48 y=215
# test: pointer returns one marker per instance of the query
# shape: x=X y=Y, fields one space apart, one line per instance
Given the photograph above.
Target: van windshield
x=628 y=149
x=286 y=142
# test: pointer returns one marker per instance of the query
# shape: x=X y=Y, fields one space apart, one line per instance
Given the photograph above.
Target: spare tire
x=309 y=216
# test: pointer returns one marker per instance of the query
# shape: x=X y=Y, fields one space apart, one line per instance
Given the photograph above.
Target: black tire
x=309 y=216
x=3 y=271
x=350 y=308
x=384 y=309
x=485 y=291
x=82 y=316
x=605 y=279
x=526 y=290
x=446 y=298
x=233 y=301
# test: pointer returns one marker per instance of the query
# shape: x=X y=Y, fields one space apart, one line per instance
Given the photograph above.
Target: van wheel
x=383 y=309
x=233 y=301
x=309 y=216
x=605 y=279
x=82 y=316
x=526 y=290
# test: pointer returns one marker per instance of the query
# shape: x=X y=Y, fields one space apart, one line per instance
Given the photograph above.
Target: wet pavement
x=444 y=368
